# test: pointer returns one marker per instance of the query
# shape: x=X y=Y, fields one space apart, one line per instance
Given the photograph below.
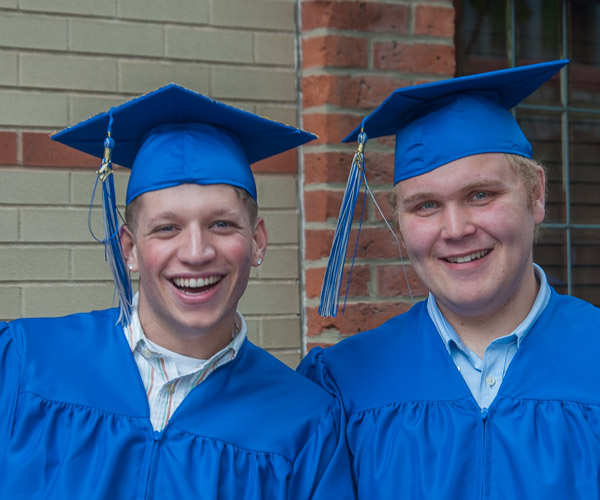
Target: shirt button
x=490 y=381
x=146 y=352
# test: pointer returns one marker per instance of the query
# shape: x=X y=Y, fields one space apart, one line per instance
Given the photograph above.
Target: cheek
x=240 y=258
x=506 y=223
x=151 y=257
x=239 y=252
x=417 y=235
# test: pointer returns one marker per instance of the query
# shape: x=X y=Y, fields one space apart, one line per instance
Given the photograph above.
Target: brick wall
x=353 y=55
x=64 y=61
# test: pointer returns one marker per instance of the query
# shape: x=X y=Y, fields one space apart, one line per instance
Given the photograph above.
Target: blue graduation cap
x=173 y=135
x=168 y=137
x=436 y=123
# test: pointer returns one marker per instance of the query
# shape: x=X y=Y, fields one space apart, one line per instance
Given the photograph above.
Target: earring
x=130 y=267
x=258 y=261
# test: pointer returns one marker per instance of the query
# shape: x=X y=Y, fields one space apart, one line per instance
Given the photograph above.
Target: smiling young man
x=193 y=247
x=468 y=229
x=490 y=388
x=164 y=397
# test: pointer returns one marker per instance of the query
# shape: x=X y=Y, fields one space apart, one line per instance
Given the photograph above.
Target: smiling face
x=468 y=229
x=193 y=247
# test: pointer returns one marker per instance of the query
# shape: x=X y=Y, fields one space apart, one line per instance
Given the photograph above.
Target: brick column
x=354 y=54
x=65 y=61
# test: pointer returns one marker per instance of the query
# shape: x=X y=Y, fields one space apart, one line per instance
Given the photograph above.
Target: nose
x=195 y=247
x=457 y=223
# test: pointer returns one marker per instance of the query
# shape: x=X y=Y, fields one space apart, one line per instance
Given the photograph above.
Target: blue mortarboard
x=169 y=137
x=436 y=123
x=178 y=136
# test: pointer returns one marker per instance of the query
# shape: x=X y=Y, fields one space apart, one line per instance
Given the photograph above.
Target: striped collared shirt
x=484 y=376
x=168 y=376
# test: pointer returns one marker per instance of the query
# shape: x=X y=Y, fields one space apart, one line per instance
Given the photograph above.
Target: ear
x=539 y=198
x=128 y=247
x=398 y=230
x=260 y=240
x=393 y=198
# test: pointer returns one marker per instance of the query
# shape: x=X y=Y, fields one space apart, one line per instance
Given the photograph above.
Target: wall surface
x=354 y=55
x=63 y=61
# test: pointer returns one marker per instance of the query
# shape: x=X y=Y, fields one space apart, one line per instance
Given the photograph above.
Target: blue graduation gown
x=415 y=431
x=74 y=423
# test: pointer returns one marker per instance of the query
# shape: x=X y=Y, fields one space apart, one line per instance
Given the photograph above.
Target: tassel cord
x=332 y=281
x=113 y=251
x=362 y=213
x=368 y=188
x=330 y=292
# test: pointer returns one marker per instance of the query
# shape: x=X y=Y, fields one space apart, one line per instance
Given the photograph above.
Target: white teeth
x=196 y=282
x=468 y=258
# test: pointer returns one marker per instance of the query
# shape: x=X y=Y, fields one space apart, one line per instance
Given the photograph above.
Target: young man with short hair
x=164 y=397
x=491 y=387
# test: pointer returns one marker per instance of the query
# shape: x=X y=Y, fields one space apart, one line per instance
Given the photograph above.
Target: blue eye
x=428 y=205
x=480 y=195
x=221 y=223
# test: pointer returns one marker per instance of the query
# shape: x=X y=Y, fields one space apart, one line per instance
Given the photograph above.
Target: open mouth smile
x=196 y=285
x=468 y=258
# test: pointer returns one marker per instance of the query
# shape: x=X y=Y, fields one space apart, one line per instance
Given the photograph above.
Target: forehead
x=189 y=197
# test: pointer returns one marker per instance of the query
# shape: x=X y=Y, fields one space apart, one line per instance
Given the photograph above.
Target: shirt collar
x=451 y=338
x=137 y=340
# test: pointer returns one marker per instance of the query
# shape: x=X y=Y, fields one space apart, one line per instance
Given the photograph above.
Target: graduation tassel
x=113 y=252
x=332 y=281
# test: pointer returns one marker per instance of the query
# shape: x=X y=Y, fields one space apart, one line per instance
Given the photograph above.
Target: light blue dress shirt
x=484 y=376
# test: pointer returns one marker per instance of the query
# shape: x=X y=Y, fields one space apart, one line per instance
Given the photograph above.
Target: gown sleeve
x=322 y=469
x=9 y=384
x=313 y=367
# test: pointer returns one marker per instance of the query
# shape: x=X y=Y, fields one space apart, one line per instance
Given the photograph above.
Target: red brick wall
x=354 y=54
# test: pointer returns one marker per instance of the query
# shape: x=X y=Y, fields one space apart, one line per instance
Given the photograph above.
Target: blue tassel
x=113 y=252
x=332 y=282
x=362 y=214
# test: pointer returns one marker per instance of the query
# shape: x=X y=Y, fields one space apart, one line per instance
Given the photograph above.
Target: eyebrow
x=424 y=195
x=421 y=195
x=160 y=218
x=217 y=212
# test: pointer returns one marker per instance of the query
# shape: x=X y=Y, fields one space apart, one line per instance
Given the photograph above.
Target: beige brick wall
x=65 y=60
